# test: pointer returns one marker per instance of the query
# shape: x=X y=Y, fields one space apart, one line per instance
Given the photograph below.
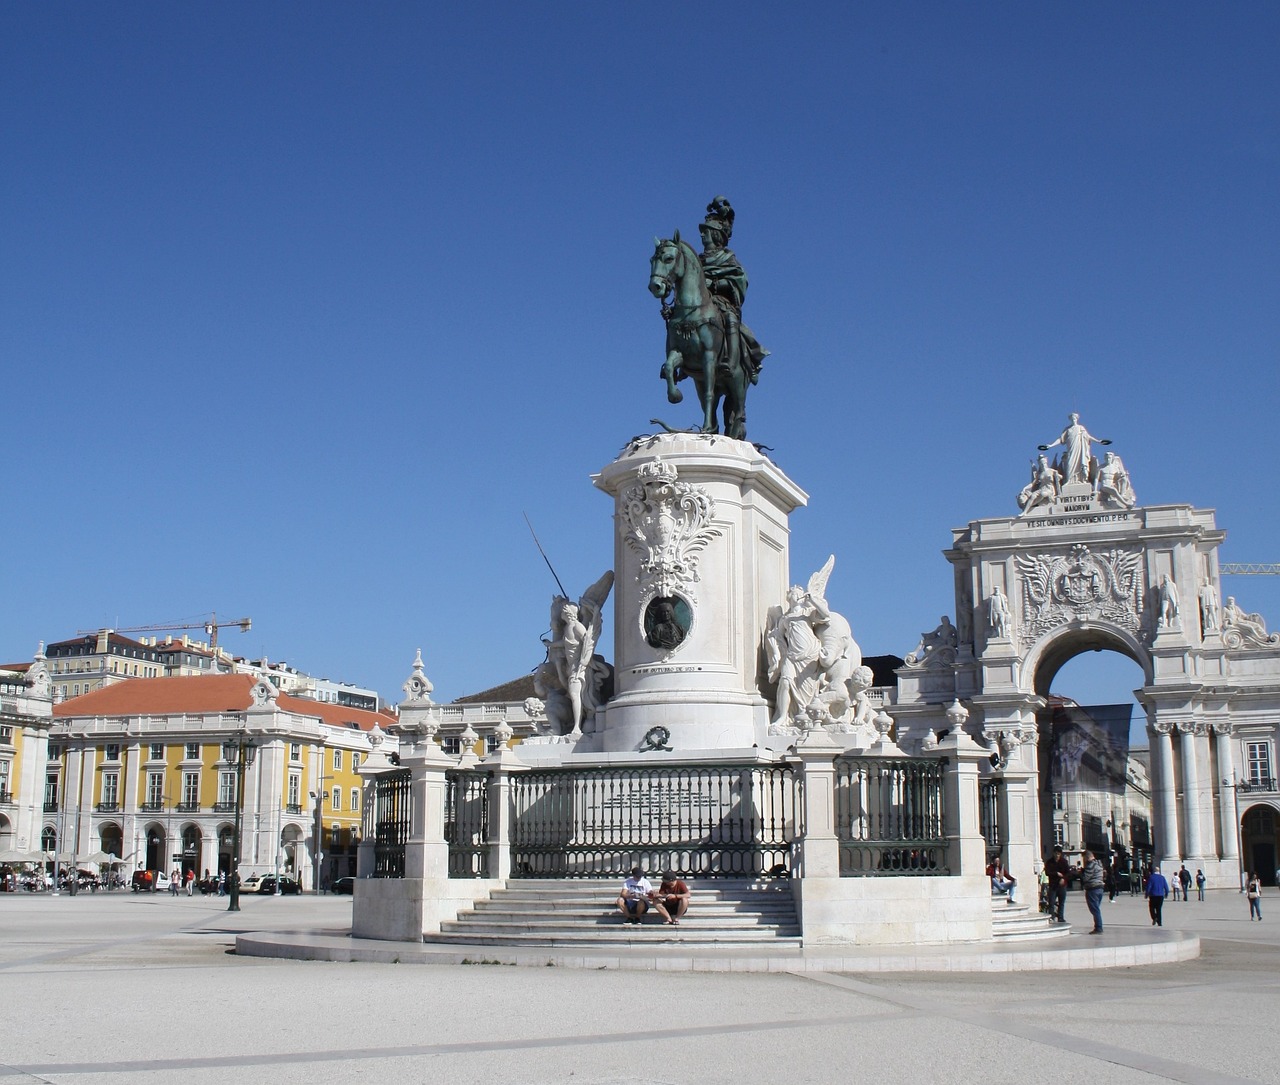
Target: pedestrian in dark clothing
x=1058 y=871
x=1157 y=889
x=1184 y=881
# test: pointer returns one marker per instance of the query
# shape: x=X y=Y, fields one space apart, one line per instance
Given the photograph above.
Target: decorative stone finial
x=957 y=715
x=417 y=687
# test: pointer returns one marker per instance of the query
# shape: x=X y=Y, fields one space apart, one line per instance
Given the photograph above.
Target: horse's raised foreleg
x=674 y=395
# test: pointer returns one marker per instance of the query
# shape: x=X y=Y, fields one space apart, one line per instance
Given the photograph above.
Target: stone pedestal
x=701 y=553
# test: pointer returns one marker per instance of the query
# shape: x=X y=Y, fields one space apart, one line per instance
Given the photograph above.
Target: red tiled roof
x=197 y=694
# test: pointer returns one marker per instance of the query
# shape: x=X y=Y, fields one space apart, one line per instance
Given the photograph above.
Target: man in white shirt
x=633 y=901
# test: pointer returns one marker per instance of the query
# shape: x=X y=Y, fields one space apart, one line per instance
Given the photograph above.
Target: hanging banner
x=1090 y=747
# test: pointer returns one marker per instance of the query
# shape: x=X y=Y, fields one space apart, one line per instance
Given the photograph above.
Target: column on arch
x=1166 y=804
x=1226 y=793
x=1193 y=848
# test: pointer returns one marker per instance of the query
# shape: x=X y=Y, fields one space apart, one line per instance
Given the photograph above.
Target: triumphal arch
x=1085 y=567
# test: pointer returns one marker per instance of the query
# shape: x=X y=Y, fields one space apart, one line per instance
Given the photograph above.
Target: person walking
x=1253 y=890
x=1092 y=878
x=1184 y=881
x=1157 y=889
x=1200 y=885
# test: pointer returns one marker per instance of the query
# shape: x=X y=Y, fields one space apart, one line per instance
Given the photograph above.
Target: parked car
x=157 y=882
x=344 y=885
x=288 y=887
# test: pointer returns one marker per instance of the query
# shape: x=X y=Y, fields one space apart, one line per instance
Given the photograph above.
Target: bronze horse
x=696 y=344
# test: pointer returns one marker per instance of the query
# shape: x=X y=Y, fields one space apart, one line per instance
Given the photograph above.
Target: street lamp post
x=244 y=757
x=317 y=854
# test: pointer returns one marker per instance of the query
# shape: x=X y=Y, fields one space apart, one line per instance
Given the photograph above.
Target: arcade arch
x=1260 y=840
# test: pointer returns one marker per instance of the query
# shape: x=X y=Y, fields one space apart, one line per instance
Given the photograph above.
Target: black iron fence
x=387 y=823
x=889 y=817
x=989 y=814
x=704 y=822
x=466 y=823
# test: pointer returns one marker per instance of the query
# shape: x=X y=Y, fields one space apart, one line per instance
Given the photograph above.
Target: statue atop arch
x=1075 y=481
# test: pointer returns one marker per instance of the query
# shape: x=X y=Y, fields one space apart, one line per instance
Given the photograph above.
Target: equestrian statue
x=702 y=305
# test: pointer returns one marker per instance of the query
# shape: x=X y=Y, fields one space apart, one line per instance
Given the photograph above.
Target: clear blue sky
x=303 y=305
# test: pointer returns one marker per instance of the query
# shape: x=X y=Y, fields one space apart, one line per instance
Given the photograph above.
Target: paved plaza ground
x=117 y=988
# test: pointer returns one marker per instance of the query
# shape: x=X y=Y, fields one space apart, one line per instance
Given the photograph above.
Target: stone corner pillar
x=961 y=820
x=502 y=764
x=819 y=846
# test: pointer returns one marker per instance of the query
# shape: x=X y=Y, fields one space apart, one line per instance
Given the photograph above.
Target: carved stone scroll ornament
x=668 y=523
x=1079 y=586
x=1242 y=630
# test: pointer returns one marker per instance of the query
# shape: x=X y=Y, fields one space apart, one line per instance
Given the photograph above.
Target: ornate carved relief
x=1078 y=586
x=668 y=523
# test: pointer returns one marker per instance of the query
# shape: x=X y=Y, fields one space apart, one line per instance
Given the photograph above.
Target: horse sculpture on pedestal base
x=696 y=343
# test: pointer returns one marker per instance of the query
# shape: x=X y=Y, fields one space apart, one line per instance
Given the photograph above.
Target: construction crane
x=210 y=627
x=1234 y=568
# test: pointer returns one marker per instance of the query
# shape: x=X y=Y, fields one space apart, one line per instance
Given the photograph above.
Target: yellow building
x=147 y=770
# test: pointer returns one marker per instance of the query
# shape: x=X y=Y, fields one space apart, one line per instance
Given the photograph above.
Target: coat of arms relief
x=1080 y=585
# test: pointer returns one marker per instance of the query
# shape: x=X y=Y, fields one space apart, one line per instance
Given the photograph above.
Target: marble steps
x=582 y=913
x=1022 y=923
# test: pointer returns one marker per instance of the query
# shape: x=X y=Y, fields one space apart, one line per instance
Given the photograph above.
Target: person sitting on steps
x=672 y=899
x=633 y=901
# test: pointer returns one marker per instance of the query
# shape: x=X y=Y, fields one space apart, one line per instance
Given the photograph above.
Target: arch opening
x=1095 y=791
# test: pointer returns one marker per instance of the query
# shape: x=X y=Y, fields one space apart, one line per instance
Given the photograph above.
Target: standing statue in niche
x=1043 y=487
x=997 y=614
x=810 y=650
x=1168 y=602
x=702 y=300
x=1076 y=463
x=573 y=681
x=1208 y=610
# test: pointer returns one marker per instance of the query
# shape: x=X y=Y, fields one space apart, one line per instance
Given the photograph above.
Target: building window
x=192 y=752
x=337 y=798
x=113 y=751
x=1060 y=834
x=355 y=798
x=295 y=790
x=155 y=789
x=6 y=734
x=51 y=792
x=191 y=788
x=355 y=760
x=5 y=768
x=492 y=744
x=1259 y=763
x=337 y=760
x=226 y=788
x=110 y=788
x=295 y=751
x=452 y=745
x=155 y=752
x=55 y=751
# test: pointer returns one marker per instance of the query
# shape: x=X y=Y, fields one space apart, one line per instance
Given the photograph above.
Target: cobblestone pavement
x=116 y=988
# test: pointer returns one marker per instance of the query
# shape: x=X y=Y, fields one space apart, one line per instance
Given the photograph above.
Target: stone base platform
x=1122 y=948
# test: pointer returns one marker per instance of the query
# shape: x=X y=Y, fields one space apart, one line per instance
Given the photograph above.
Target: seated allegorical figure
x=1043 y=487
